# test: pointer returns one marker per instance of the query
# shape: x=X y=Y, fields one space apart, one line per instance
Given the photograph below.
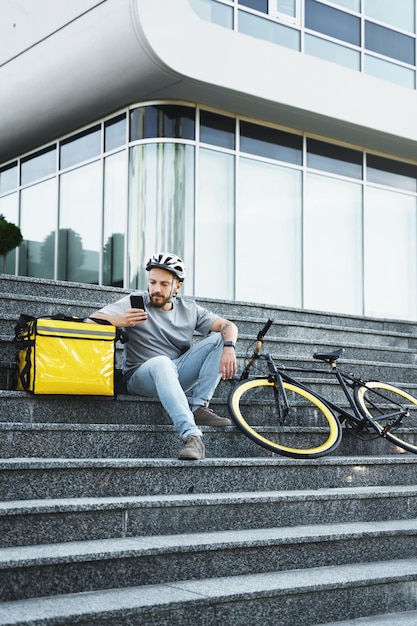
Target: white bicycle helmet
x=168 y=261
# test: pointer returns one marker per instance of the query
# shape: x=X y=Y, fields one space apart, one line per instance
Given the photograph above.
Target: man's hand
x=135 y=316
x=228 y=365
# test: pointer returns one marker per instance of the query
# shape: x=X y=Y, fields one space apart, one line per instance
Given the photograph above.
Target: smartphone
x=137 y=302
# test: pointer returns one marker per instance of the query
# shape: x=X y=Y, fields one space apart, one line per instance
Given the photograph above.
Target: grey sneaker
x=206 y=417
x=193 y=449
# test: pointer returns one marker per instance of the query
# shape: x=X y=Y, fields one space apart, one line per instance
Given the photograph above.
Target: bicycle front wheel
x=392 y=411
x=309 y=430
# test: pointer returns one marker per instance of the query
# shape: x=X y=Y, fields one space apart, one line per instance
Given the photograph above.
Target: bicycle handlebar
x=264 y=330
x=259 y=339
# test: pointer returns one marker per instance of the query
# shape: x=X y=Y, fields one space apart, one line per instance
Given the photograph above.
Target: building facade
x=271 y=143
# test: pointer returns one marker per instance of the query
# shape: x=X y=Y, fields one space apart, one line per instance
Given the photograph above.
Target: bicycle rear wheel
x=309 y=430
x=384 y=403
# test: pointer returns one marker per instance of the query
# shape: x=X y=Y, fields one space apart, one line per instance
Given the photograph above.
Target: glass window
x=38 y=165
x=333 y=245
x=332 y=22
x=398 y=14
x=269 y=30
x=114 y=226
x=353 y=5
x=8 y=178
x=115 y=133
x=268 y=234
x=287 y=8
x=80 y=224
x=333 y=158
x=214 y=273
x=214 y=12
x=390 y=254
x=168 y=120
x=391 y=173
x=390 y=71
x=161 y=206
x=330 y=51
x=389 y=43
x=271 y=143
x=9 y=207
x=258 y=5
x=217 y=129
x=80 y=147
x=37 y=255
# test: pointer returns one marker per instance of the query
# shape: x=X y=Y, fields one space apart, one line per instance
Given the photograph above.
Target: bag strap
x=24 y=321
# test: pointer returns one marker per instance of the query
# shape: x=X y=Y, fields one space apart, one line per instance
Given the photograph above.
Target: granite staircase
x=101 y=524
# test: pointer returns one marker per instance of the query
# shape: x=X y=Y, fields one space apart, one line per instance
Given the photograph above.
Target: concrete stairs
x=101 y=524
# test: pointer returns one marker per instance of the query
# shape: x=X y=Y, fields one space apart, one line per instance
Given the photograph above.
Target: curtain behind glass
x=161 y=207
x=268 y=234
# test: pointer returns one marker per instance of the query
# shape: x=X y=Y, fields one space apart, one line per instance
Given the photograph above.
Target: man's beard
x=160 y=302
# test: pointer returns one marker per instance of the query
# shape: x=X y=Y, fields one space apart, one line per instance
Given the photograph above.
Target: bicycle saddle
x=329 y=357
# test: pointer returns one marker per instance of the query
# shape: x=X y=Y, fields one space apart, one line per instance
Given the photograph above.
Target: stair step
x=335 y=592
x=406 y=618
x=26 y=522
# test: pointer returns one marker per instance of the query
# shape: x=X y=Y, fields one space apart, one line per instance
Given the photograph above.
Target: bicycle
x=288 y=417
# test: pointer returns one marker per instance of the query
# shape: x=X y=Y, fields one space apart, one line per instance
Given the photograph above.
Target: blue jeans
x=170 y=380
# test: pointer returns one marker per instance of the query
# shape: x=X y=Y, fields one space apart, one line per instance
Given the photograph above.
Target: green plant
x=10 y=238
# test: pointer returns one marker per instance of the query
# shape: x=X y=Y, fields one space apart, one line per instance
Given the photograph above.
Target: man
x=159 y=358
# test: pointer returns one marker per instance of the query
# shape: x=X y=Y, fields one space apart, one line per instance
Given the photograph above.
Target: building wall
x=329 y=237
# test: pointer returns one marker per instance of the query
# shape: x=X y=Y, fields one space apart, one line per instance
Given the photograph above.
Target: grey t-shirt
x=165 y=332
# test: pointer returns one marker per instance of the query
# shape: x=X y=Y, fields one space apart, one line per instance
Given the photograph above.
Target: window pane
x=161 y=207
x=115 y=133
x=80 y=147
x=391 y=173
x=217 y=129
x=332 y=158
x=8 y=178
x=214 y=276
x=268 y=234
x=333 y=226
x=398 y=14
x=390 y=254
x=353 y=5
x=9 y=207
x=213 y=12
x=269 y=30
x=162 y=121
x=38 y=166
x=390 y=71
x=389 y=43
x=258 y=5
x=287 y=7
x=331 y=51
x=115 y=206
x=332 y=22
x=271 y=143
x=79 y=228
x=37 y=256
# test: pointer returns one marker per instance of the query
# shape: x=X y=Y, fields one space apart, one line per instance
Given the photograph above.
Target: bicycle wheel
x=383 y=403
x=309 y=430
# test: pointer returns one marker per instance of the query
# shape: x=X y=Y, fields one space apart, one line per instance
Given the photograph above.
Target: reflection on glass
x=79 y=230
x=217 y=129
x=390 y=254
x=332 y=22
x=8 y=178
x=258 y=5
x=9 y=207
x=391 y=173
x=165 y=120
x=115 y=205
x=333 y=245
x=330 y=51
x=269 y=30
x=115 y=133
x=161 y=206
x=38 y=166
x=398 y=14
x=390 y=71
x=37 y=257
x=333 y=158
x=215 y=255
x=214 y=12
x=353 y=5
x=268 y=234
x=271 y=143
x=389 y=43
x=80 y=147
